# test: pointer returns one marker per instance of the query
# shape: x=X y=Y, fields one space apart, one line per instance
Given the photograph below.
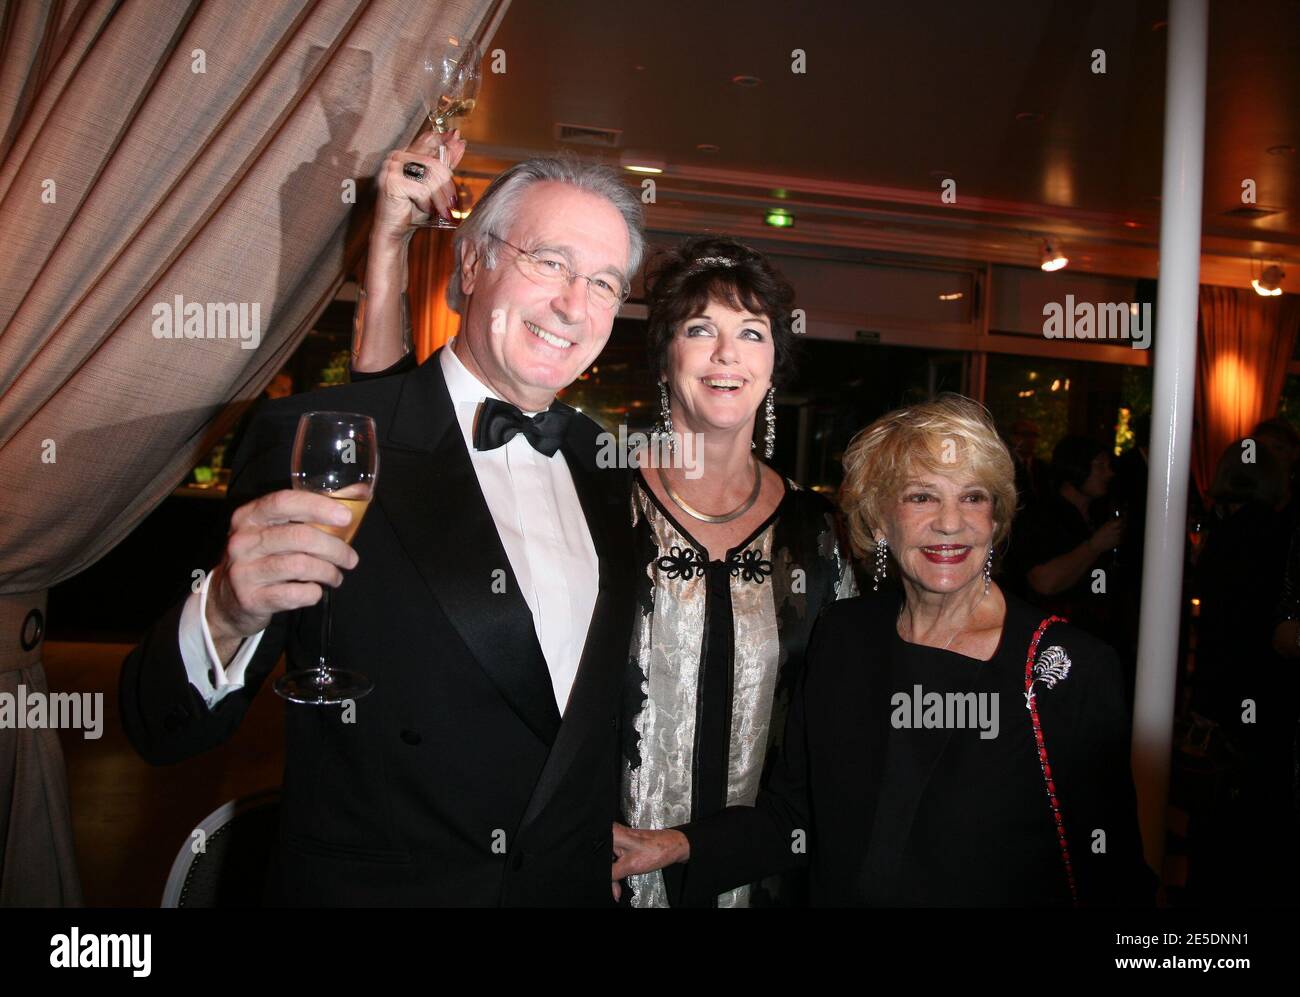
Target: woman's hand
x=380 y=338
x=404 y=200
x=637 y=851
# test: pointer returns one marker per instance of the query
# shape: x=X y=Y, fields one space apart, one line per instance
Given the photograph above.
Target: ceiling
x=895 y=99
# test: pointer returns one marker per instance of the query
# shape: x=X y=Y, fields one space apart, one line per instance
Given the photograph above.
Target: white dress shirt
x=540 y=521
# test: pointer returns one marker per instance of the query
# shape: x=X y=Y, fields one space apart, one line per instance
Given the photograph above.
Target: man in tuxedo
x=488 y=590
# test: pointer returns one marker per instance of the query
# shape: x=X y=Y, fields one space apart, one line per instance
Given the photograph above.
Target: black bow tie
x=499 y=421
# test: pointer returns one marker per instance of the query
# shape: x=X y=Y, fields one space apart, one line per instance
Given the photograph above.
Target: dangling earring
x=769 y=444
x=882 y=562
x=988 y=569
x=665 y=427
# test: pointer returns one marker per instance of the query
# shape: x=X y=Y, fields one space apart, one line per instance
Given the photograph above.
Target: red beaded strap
x=1031 y=701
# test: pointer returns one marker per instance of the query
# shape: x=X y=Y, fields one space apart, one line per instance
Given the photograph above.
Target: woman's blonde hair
x=950 y=433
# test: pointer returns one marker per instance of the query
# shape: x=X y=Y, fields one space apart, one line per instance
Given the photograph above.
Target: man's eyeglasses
x=549 y=268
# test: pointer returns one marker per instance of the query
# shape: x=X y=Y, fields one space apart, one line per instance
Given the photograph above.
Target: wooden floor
x=131 y=818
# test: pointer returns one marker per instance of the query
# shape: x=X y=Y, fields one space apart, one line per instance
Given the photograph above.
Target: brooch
x=1053 y=666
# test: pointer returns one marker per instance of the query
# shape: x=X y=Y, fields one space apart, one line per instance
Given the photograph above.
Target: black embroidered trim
x=686 y=563
x=751 y=566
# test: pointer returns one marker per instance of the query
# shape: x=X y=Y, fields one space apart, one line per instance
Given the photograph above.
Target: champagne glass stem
x=321 y=668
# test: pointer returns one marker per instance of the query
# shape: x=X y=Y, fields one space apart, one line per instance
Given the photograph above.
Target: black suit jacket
x=826 y=784
x=458 y=783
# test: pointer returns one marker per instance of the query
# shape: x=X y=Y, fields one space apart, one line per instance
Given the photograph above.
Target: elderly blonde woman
x=949 y=746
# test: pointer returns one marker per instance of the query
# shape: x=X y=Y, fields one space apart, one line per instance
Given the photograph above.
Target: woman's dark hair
x=681 y=282
x=1238 y=482
x=1072 y=460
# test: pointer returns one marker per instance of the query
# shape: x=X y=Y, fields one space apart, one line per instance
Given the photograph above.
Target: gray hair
x=497 y=206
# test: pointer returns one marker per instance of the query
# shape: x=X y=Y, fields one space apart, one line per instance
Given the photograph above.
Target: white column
x=1171 y=425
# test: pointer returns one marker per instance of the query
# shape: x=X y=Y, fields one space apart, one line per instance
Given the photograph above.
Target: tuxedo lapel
x=430 y=493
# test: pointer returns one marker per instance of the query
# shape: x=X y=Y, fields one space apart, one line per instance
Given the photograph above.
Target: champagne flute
x=334 y=454
x=449 y=82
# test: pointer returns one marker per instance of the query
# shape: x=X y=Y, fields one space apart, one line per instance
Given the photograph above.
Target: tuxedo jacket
x=826 y=786
x=458 y=782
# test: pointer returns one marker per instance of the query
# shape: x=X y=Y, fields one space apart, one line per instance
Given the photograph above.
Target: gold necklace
x=726 y=517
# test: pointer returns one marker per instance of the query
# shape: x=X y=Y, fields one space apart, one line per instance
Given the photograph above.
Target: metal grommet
x=36 y=619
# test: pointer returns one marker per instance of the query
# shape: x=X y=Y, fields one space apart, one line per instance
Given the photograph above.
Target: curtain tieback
x=22 y=629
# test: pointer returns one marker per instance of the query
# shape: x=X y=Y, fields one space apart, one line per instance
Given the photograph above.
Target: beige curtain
x=1245 y=342
x=160 y=158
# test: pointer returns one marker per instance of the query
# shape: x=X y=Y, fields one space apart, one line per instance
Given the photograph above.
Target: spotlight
x=1052 y=258
x=1269 y=283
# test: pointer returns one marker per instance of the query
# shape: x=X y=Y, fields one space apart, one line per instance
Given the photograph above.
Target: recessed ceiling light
x=953 y=296
x=707 y=147
x=640 y=162
x=1269 y=283
x=1281 y=150
x=745 y=80
x=1030 y=116
x=1052 y=258
x=1130 y=223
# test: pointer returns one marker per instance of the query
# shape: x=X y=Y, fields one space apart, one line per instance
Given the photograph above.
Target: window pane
x=1063 y=397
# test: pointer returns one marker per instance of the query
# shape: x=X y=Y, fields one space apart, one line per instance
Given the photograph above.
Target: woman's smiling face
x=940 y=530
x=720 y=367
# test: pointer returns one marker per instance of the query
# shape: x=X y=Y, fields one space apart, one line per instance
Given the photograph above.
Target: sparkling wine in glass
x=449 y=82
x=334 y=454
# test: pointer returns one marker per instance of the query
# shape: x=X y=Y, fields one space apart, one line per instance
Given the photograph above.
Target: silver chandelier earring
x=769 y=437
x=882 y=563
x=988 y=570
x=665 y=427
x=769 y=443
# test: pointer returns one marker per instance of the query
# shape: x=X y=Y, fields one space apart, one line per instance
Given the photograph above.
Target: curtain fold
x=1246 y=341
x=183 y=188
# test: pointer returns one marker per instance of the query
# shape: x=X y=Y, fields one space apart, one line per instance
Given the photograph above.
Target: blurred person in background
x=1280 y=439
x=1032 y=476
x=1071 y=533
x=1240 y=682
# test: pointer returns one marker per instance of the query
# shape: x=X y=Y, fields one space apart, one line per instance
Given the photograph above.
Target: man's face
x=528 y=338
